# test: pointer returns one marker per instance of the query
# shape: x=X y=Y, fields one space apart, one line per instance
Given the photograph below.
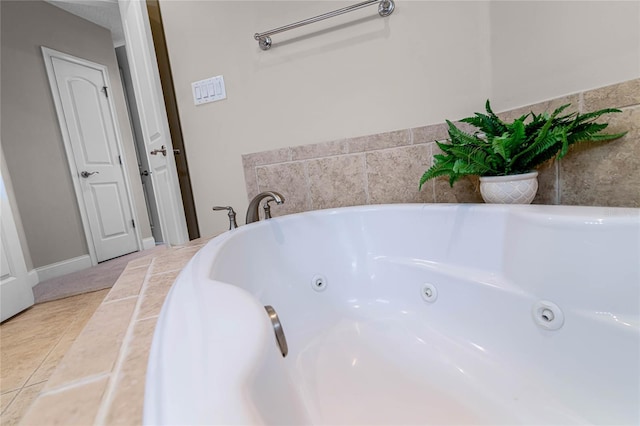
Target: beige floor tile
x=27 y=339
x=96 y=348
x=92 y=302
x=74 y=406
x=21 y=403
x=139 y=263
x=130 y=385
x=155 y=293
x=6 y=399
x=128 y=284
x=173 y=260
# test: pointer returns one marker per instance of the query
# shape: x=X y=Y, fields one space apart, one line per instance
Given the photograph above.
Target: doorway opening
x=91 y=136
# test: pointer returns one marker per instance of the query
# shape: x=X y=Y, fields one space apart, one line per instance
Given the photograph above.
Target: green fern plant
x=500 y=149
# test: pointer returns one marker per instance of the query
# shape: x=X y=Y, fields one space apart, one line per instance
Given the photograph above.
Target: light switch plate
x=208 y=90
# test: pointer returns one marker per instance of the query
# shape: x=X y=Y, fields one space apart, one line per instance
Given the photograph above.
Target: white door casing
x=92 y=141
x=153 y=120
x=15 y=290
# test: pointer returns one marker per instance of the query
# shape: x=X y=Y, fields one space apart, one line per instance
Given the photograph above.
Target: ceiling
x=101 y=12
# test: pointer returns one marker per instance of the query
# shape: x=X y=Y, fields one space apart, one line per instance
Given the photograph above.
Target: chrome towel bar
x=385 y=8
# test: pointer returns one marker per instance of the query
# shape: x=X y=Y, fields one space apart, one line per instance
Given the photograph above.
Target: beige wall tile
x=337 y=181
x=427 y=134
x=465 y=190
x=379 y=141
x=290 y=180
x=319 y=150
x=77 y=405
x=127 y=403
x=325 y=192
x=96 y=348
x=154 y=294
x=267 y=157
x=19 y=406
x=605 y=174
x=250 y=181
x=393 y=175
x=547 y=184
x=615 y=96
x=541 y=107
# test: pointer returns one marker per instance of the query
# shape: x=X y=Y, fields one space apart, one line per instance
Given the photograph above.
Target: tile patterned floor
x=33 y=343
x=82 y=360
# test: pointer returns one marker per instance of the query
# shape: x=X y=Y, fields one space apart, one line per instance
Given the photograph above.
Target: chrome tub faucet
x=231 y=213
x=253 y=212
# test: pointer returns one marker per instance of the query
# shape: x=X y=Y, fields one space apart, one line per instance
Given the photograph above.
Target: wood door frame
x=48 y=55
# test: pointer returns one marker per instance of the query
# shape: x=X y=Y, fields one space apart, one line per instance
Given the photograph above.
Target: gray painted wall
x=31 y=138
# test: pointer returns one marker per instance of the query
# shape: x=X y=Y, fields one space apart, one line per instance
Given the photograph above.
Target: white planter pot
x=513 y=189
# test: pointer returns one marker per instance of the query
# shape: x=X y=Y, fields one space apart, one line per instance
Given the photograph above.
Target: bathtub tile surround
x=623 y=95
x=297 y=199
x=101 y=378
x=386 y=167
x=608 y=171
x=337 y=181
x=385 y=186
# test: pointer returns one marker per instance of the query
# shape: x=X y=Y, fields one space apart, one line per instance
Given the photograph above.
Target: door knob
x=85 y=174
x=162 y=150
x=144 y=173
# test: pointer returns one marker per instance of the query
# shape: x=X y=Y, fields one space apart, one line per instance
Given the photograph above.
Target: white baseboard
x=33 y=278
x=65 y=267
x=148 y=243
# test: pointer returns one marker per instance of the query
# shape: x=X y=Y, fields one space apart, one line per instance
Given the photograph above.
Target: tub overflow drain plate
x=547 y=315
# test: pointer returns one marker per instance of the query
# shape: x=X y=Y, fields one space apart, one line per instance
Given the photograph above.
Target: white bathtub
x=426 y=314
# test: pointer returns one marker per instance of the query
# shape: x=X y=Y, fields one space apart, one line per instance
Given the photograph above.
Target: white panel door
x=91 y=130
x=15 y=291
x=153 y=120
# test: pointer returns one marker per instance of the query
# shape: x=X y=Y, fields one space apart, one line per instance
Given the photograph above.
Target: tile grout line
x=26 y=383
x=307 y=183
x=66 y=329
x=74 y=384
x=365 y=179
x=150 y=317
x=111 y=301
x=433 y=183
x=114 y=375
x=12 y=400
x=346 y=154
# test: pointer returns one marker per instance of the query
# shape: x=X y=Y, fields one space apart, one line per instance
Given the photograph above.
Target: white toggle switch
x=209 y=90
